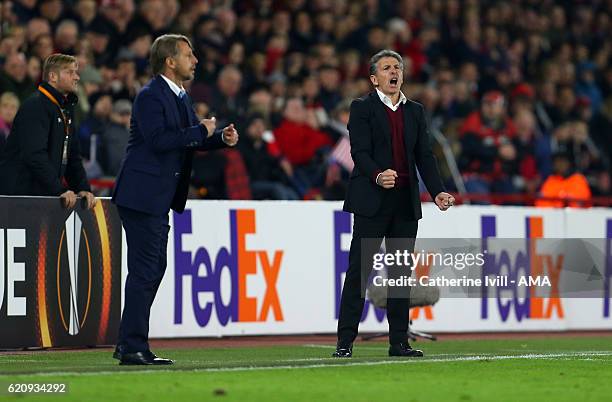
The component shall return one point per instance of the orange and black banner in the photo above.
(60, 273)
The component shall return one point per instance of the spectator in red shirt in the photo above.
(296, 137)
(303, 145)
(487, 149)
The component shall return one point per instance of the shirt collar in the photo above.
(387, 101)
(173, 87)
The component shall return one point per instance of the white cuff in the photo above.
(377, 176)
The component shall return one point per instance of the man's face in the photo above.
(15, 67)
(561, 165)
(330, 79)
(230, 82)
(261, 99)
(295, 111)
(98, 41)
(122, 118)
(184, 62)
(8, 110)
(37, 27)
(67, 37)
(256, 129)
(388, 78)
(68, 78)
(103, 107)
(492, 110)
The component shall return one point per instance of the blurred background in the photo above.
(518, 93)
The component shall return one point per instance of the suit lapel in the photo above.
(171, 99)
(381, 116)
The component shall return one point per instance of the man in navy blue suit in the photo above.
(154, 178)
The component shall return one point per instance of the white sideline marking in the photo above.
(384, 348)
(543, 356)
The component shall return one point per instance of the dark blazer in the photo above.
(31, 161)
(156, 170)
(370, 136)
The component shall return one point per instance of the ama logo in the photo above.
(342, 236)
(517, 264)
(206, 268)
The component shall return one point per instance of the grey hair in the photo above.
(382, 54)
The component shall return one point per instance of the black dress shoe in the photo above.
(137, 359)
(117, 353)
(343, 351)
(404, 350)
(159, 360)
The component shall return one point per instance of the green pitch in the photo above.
(553, 369)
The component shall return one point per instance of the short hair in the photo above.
(56, 62)
(382, 54)
(67, 24)
(165, 46)
(229, 68)
(9, 97)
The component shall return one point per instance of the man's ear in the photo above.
(170, 62)
(374, 80)
(53, 76)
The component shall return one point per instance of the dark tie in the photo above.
(185, 104)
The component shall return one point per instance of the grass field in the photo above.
(546, 369)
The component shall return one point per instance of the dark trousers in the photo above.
(147, 240)
(395, 222)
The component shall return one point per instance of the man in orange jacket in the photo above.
(564, 184)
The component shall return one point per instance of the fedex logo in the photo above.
(342, 235)
(205, 270)
(517, 265)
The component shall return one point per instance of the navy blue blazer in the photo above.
(156, 170)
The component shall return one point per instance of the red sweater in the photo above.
(299, 142)
(398, 147)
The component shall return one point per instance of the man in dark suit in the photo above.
(41, 156)
(389, 139)
(154, 177)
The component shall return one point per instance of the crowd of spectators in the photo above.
(512, 85)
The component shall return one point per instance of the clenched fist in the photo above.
(387, 178)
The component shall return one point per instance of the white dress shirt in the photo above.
(387, 101)
(173, 87)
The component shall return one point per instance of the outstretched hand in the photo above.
(230, 135)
